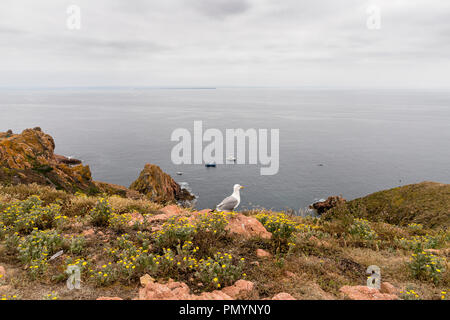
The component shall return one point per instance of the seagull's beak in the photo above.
(242, 187)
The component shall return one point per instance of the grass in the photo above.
(426, 203)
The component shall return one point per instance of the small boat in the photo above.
(179, 173)
(210, 165)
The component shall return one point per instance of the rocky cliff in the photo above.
(29, 157)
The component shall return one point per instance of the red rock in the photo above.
(366, 293)
(136, 217)
(388, 288)
(283, 296)
(168, 212)
(260, 253)
(169, 291)
(215, 295)
(89, 232)
(180, 291)
(109, 298)
(240, 287)
(172, 210)
(247, 227)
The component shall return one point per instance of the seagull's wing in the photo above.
(228, 204)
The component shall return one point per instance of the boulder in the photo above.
(169, 291)
(167, 213)
(324, 206)
(248, 227)
(241, 287)
(388, 288)
(283, 296)
(89, 233)
(365, 293)
(159, 187)
(145, 279)
(260, 253)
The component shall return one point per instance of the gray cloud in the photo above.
(221, 8)
(225, 42)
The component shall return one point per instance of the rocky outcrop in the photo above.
(331, 202)
(29, 157)
(66, 160)
(366, 293)
(159, 187)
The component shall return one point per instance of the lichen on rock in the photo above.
(29, 157)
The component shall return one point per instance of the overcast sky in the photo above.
(225, 43)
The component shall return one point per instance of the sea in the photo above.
(349, 142)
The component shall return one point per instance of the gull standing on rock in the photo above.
(232, 202)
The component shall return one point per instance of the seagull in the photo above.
(232, 202)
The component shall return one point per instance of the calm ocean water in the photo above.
(366, 140)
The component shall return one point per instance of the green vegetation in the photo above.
(115, 241)
(426, 203)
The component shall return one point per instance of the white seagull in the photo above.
(232, 202)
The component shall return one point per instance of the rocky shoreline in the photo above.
(29, 157)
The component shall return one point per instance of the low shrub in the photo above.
(174, 232)
(426, 266)
(219, 270)
(26, 215)
(119, 222)
(101, 214)
(77, 245)
(361, 229)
